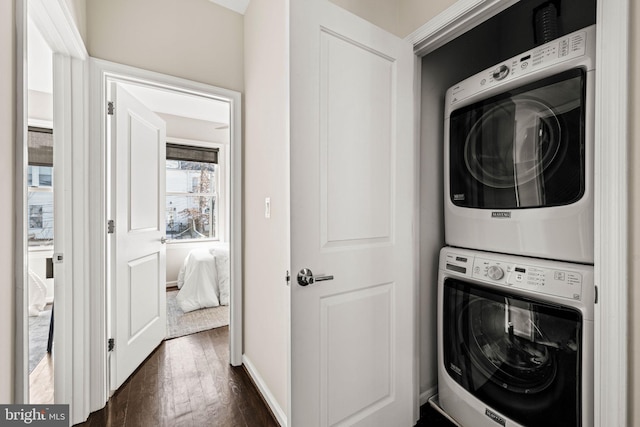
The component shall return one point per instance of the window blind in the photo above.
(192, 154)
(40, 146)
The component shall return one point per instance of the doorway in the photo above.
(199, 119)
(40, 217)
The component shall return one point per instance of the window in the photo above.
(192, 192)
(40, 182)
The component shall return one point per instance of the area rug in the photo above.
(180, 323)
(38, 336)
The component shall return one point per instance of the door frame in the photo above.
(101, 73)
(55, 21)
(611, 243)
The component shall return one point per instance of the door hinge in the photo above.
(111, 344)
(110, 108)
(288, 278)
(111, 226)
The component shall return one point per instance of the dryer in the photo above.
(519, 146)
(515, 340)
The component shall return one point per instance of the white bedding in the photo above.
(203, 279)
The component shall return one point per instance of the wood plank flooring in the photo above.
(187, 381)
(41, 382)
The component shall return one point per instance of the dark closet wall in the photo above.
(505, 35)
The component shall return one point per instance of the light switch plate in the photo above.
(267, 207)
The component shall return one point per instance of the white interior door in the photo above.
(138, 249)
(353, 353)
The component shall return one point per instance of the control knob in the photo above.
(501, 72)
(494, 272)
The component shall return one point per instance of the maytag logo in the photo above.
(455, 369)
(501, 214)
(495, 417)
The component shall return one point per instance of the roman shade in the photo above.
(192, 154)
(40, 146)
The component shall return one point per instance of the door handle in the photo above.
(163, 240)
(305, 277)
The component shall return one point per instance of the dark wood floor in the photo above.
(187, 381)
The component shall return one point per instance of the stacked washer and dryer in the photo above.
(515, 288)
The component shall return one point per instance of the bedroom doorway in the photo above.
(199, 216)
(40, 217)
(197, 200)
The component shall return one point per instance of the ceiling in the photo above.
(40, 59)
(239, 6)
(179, 104)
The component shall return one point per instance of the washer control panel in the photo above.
(565, 48)
(547, 279)
(562, 283)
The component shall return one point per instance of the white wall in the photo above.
(40, 77)
(400, 17)
(194, 39)
(7, 182)
(266, 166)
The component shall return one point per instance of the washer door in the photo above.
(520, 357)
(523, 148)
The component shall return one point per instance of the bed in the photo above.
(203, 279)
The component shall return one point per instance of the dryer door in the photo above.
(523, 148)
(518, 356)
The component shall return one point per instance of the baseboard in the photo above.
(426, 395)
(173, 283)
(268, 397)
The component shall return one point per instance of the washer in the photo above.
(515, 340)
(519, 145)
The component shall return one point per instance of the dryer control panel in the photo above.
(539, 276)
(563, 49)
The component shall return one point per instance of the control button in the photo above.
(501, 72)
(494, 272)
(483, 82)
(524, 65)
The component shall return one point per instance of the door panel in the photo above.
(138, 255)
(352, 212)
(368, 359)
(357, 173)
(144, 187)
(143, 287)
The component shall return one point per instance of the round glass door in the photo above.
(522, 148)
(513, 143)
(502, 346)
(518, 356)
